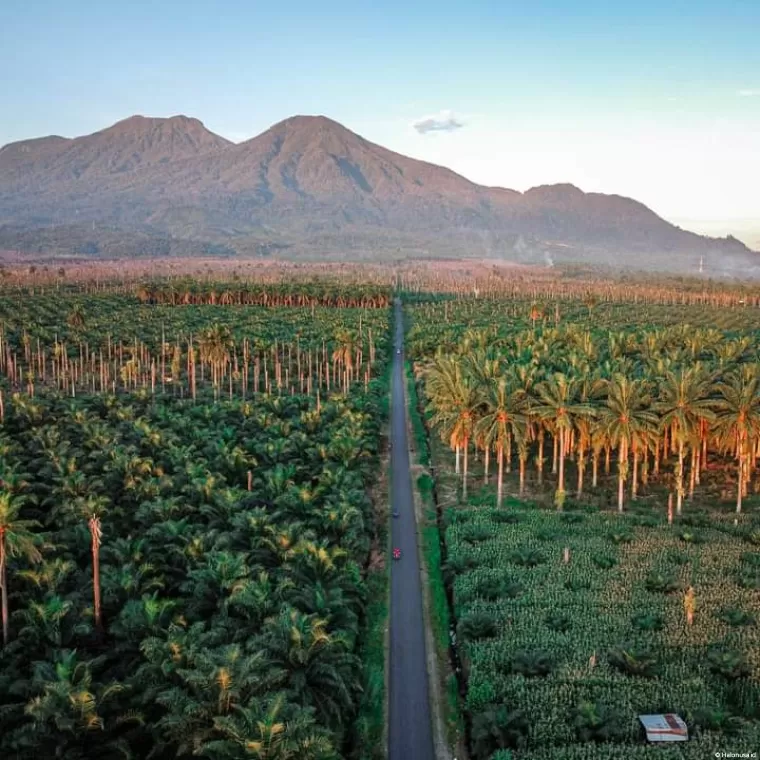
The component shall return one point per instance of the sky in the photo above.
(658, 100)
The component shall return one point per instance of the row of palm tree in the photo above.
(179, 365)
(520, 395)
(295, 294)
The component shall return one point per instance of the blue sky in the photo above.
(656, 100)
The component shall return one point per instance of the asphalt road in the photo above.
(410, 735)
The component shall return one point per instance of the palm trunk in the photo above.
(622, 466)
(692, 471)
(561, 460)
(95, 534)
(500, 478)
(485, 465)
(679, 479)
(581, 468)
(540, 463)
(464, 474)
(740, 483)
(555, 447)
(635, 484)
(3, 588)
(523, 460)
(594, 469)
(456, 468)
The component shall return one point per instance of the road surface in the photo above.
(410, 735)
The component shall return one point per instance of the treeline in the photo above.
(271, 295)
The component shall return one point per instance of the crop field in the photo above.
(594, 464)
(185, 525)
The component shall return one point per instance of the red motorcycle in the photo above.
(397, 554)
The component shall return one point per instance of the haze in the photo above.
(659, 105)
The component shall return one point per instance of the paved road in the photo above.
(410, 735)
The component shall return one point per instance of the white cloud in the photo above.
(748, 93)
(444, 121)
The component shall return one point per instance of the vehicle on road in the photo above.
(397, 554)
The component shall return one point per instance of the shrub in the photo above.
(595, 722)
(648, 621)
(531, 664)
(727, 662)
(477, 625)
(526, 557)
(691, 537)
(498, 728)
(718, 719)
(735, 616)
(547, 534)
(604, 561)
(556, 621)
(661, 582)
(677, 557)
(633, 661)
(474, 533)
(571, 518)
(504, 516)
(577, 584)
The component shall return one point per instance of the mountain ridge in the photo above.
(305, 181)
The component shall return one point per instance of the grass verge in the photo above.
(440, 618)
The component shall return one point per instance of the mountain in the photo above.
(308, 186)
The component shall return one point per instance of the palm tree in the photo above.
(738, 421)
(16, 539)
(215, 344)
(454, 399)
(93, 508)
(314, 664)
(504, 420)
(271, 730)
(557, 405)
(683, 406)
(626, 421)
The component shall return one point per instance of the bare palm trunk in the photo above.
(456, 468)
(679, 479)
(561, 460)
(635, 484)
(739, 485)
(500, 478)
(523, 460)
(692, 471)
(581, 468)
(95, 533)
(555, 447)
(594, 469)
(3, 588)
(540, 463)
(464, 474)
(622, 467)
(485, 465)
